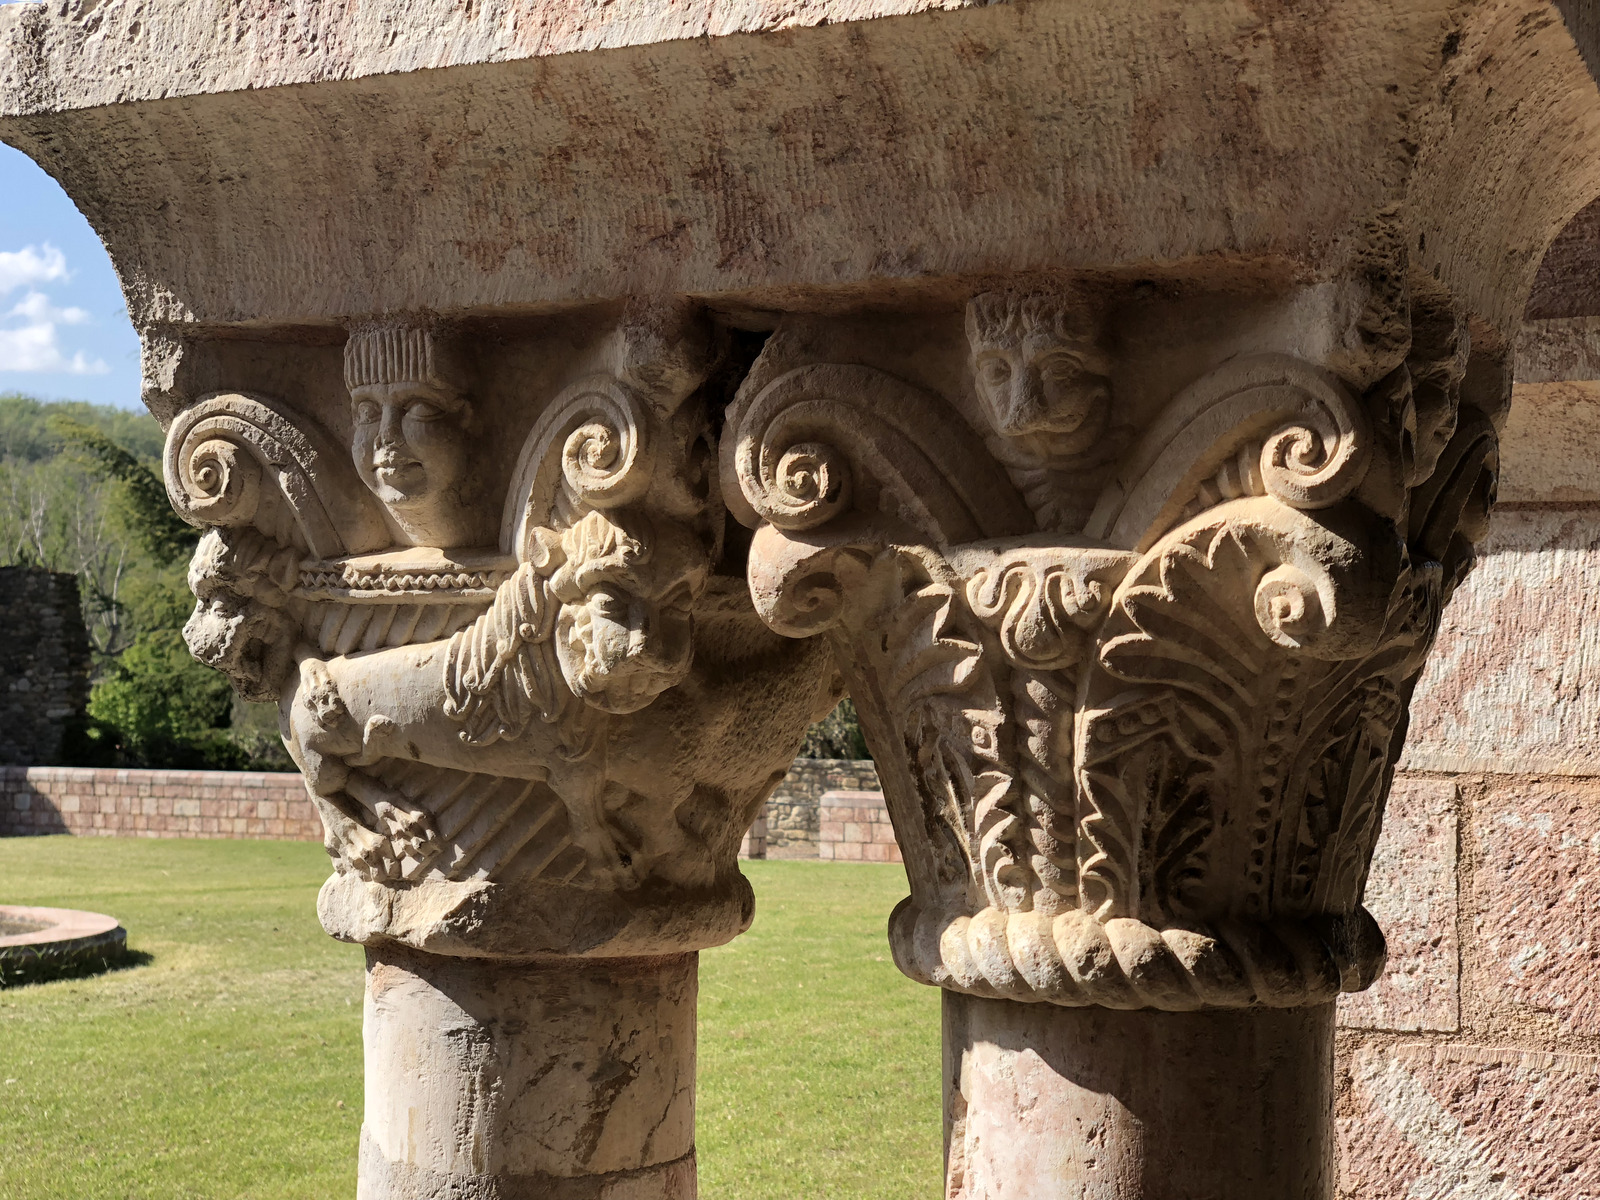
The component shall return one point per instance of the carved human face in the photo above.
(1037, 386)
(411, 448)
(1037, 379)
(625, 632)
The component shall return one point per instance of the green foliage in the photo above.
(254, 730)
(837, 735)
(159, 708)
(26, 436)
(81, 491)
(61, 509)
(147, 511)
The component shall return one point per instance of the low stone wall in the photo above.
(177, 804)
(854, 827)
(793, 811)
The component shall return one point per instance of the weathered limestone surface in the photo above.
(1511, 687)
(1046, 1097)
(569, 153)
(1412, 891)
(1470, 1121)
(1108, 395)
(543, 1068)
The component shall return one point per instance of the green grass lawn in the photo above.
(229, 1064)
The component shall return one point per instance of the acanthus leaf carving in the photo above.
(1153, 768)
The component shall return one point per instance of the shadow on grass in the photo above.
(25, 974)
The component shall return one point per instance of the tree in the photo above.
(837, 735)
(148, 511)
(156, 706)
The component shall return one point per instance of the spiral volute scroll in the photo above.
(219, 482)
(826, 439)
(234, 460)
(591, 446)
(1074, 960)
(1261, 425)
(1320, 457)
(1290, 609)
(809, 486)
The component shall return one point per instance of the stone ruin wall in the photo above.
(793, 812)
(44, 663)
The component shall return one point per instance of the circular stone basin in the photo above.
(55, 938)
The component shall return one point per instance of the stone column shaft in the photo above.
(1043, 1103)
(556, 1080)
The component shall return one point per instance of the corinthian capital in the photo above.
(1137, 676)
(486, 589)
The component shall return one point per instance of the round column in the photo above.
(1049, 1103)
(551, 1080)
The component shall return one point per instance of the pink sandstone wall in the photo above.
(854, 826)
(1472, 1069)
(130, 803)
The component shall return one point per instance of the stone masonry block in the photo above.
(1469, 1123)
(1536, 903)
(1412, 892)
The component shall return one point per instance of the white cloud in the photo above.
(36, 307)
(31, 264)
(28, 339)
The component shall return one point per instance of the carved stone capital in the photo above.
(1132, 634)
(488, 592)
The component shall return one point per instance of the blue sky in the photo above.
(64, 331)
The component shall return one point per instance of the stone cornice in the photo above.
(868, 161)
